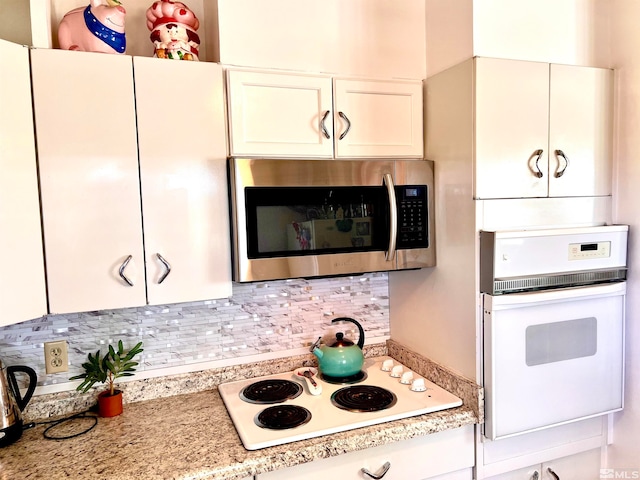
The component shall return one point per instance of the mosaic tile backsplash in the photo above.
(259, 318)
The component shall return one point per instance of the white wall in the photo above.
(625, 42)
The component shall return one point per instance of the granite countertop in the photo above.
(191, 436)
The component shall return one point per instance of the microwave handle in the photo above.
(393, 218)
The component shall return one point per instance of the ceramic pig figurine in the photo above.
(98, 27)
(173, 30)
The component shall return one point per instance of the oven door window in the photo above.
(286, 221)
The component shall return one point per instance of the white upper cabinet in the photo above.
(282, 115)
(119, 163)
(291, 115)
(542, 130)
(532, 129)
(377, 118)
(22, 281)
(88, 160)
(183, 153)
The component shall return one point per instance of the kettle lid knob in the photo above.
(341, 341)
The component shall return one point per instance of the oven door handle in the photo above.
(393, 217)
(383, 471)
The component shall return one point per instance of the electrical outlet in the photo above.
(56, 358)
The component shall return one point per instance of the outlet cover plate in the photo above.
(56, 357)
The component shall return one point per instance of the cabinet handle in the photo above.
(167, 268)
(383, 471)
(560, 153)
(553, 474)
(121, 270)
(325, 132)
(535, 475)
(393, 217)
(538, 154)
(344, 117)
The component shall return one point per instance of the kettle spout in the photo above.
(315, 350)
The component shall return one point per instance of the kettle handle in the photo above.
(360, 329)
(13, 384)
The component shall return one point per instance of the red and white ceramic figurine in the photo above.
(173, 30)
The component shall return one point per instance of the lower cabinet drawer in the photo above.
(439, 454)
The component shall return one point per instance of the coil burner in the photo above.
(270, 391)
(283, 417)
(363, 398)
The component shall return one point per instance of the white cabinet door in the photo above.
(580, 466)
(182, 146)
(22, 286)
(280, 115)
(511, 125)
(377, 118)
(449, 453)
(580, 127)
(542, 130)
(88, 160)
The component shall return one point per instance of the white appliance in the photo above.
(554, 310)
(413, 395)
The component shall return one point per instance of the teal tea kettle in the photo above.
(12, 403)
(342, 358)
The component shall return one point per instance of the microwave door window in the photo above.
(286, 221)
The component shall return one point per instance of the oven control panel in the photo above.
(585, 251)
(412, 216)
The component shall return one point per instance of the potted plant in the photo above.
(114, 364)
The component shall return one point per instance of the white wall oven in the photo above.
(553, 326)
(307, 218)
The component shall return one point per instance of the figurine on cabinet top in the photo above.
(173, 30)
(98, 27)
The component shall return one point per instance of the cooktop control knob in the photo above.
(418, 385)
(386, 365)
(396, 371)
(407, 378)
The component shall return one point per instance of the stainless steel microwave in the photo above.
(308, 218)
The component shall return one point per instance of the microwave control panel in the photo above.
(412, 216)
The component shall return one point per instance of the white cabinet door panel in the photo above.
(182, 148)
(581, 120)
(279, 115)
(22, 286)
(88, 160)
(511, 124)
(446, 453)
(377, 118)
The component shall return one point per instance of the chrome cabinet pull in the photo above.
(121, 270)
(393, 217)
(167, 268)
(344, 117)
(553, 474)
(538, 154)
(325, 132)
(383, 471)
(560, 153)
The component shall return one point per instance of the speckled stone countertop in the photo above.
(190, 435)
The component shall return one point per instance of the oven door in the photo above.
(552, 357)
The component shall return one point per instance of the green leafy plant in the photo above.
(106, 369)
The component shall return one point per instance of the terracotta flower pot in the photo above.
(110, 405)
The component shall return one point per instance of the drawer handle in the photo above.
(560, 153)
(553, 474)
(121, 270)
(535, 475)
(383, 471)
(538, 154)
(344, 117)
(325, 132)
(167, 268)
